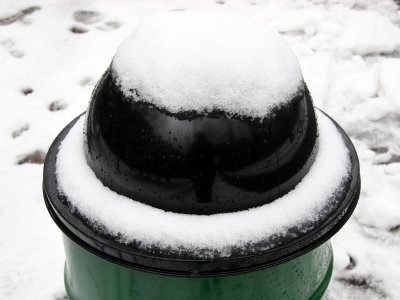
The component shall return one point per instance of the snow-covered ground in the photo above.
(52, 53)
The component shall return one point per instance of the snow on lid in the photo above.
(131, 220)
(207, 60)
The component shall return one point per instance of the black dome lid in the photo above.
(197, 163)
(251, 257)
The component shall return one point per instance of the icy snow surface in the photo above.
(52, 53)
(203, 60)
(131, 220)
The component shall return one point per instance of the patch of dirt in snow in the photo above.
(53, 53)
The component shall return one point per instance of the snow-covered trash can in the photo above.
(201, 170)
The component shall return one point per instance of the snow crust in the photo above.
(203, 60)
(389, 76)
(131, 220)
(370, 33)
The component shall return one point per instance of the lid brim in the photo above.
(160, 261)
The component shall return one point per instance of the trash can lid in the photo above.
(200, 153)
(207, 118)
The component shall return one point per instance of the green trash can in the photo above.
(185, 171)
(90, 277)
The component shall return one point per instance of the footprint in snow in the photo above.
(18, 16)
(10, 44)
(19, 131)
(394, 158)
(365, 284)
(17, 53)
(87, 17)
(7, 43)
(380, 149)
(395, 229)
(35, 157)
(77, 29)
(57, 105)
(109, 25)
(27, 91)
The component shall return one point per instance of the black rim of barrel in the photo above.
(108, 248)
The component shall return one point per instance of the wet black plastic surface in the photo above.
(197, 163)
(165, 261)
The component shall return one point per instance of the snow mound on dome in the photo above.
(207, 60)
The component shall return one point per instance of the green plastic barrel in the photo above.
(89, 277)
(189, 163)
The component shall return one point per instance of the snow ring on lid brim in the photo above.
(130, 221)
(202, 60)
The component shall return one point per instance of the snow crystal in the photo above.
(203, 61)
(133, 220)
